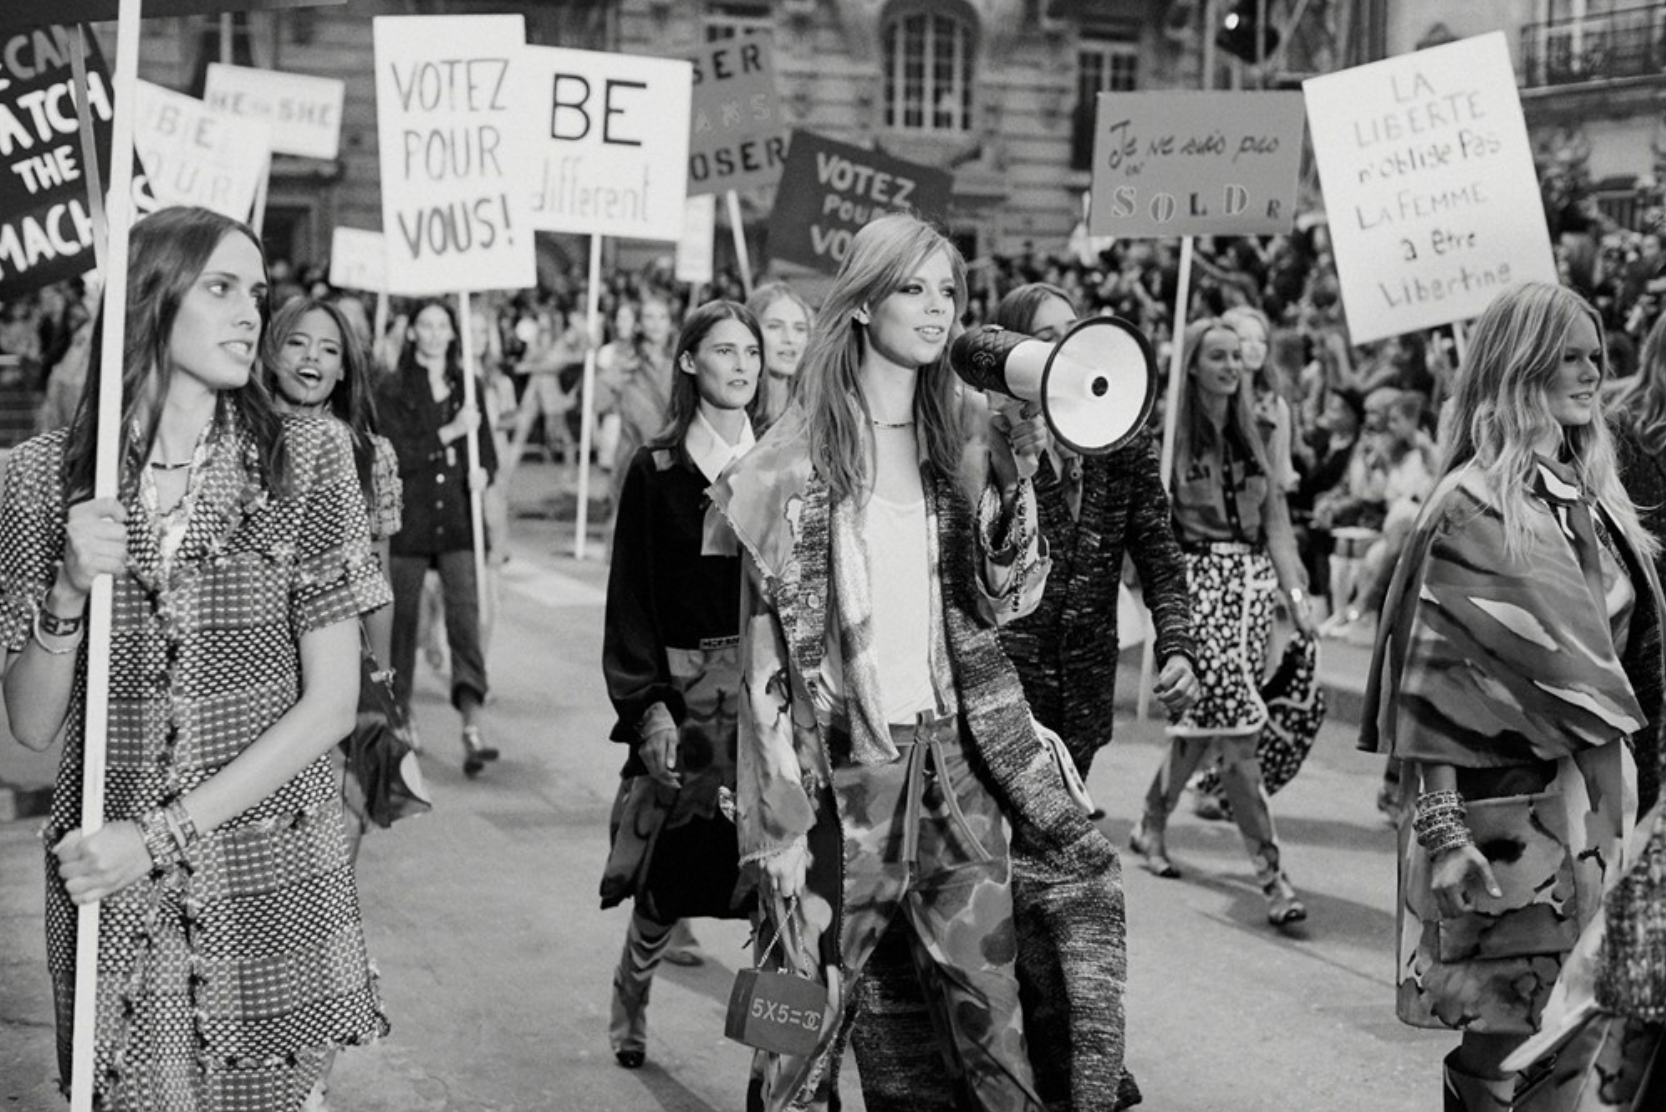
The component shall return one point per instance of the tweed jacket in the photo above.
(1066, 650)
(1066, 881)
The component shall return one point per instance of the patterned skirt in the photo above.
(1232, 590)
(1553, 851)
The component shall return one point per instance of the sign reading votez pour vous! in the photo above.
(1429, 185)
(18, 14)
(737, 137)
(193, 155)
(46, 234)
(1195, 163)
(453, 138)
(612, 146)
(829, 190)
(303, 112)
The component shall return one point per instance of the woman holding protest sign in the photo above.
(785, 319)
(241, 562)
(422, 413)
(671, 656)
(884, 740)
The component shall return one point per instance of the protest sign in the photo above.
(18, 14)
(1195, 163)
(46, 232)
(358, 260)
(1429, 185)
(193, 155)
(612, 147)
(695, 247)
(737, 138)
(453, 137)
(303, 112)
(829, 190)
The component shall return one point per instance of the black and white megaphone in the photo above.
(1096, 386)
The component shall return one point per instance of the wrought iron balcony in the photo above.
(1602, 47)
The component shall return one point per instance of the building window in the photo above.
(1107, 61)
(928, 73)
(731, 19)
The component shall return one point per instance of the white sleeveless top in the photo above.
(899, 586)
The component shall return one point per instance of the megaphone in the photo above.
(1096, 386)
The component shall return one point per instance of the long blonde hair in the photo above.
(1500, 413)
(1192, 428)
(883, 256)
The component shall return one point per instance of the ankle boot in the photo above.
(475, 753)
(1283, 905)
(1146, 839)
(1467, 1093)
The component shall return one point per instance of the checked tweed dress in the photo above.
(221, 984)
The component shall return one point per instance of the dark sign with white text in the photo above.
(737, 139)
(19, 14)
(829, 190)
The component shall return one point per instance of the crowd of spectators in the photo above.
(1361, 421)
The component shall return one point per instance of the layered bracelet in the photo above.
(49, 627)
(1440, 824)
(169, 833)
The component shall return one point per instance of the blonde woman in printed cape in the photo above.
(240, 556)
(885, 748)
(1518, 672)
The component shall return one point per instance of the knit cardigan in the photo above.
(1067, 892)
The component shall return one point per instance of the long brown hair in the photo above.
(685, 388)
(167, 253)
(882, 257)
(353, 401)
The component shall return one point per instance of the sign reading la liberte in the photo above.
(455, 211)
(1195, 163)
(1429, 184)
(611, 149)
(46, 233)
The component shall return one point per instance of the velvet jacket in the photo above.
(1066, 650)
(1066, 880)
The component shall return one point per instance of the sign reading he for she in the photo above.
(46, 234)
(453, 137)
(1429, 184)
(303, 112)
(358, 260)
(19, 14)
(612, 143)
(1195, 163)
(193, 155)
(738, 140)
(829, 190)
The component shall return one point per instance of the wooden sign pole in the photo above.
(477, 505)
(587, 410)
(742, 258)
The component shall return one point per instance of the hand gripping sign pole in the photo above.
(587, 411)
(119, 212)
(1171, 421)
(477, 513)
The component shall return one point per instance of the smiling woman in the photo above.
(241, 561)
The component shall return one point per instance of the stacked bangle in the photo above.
(164, 850)
(184, 831)
(1440, 824)
(58, 636)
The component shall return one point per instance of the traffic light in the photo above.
(1238, 31)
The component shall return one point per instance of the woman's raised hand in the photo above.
(95, 543)
(1020, 434)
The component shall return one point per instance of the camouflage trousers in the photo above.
(923, 839)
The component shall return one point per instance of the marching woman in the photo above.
(1517, 670)
(671, 655)
(785, 319)
(421, 410)
(885, 746)
(1094, 510)
(1234, 527)
(241, 563)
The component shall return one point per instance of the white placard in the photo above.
(1429, 185)
(303, 112)
(193, 155)
(453, 144)
(612, 149)
(358, 260)
(695, 247)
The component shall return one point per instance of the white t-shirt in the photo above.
(899, 586)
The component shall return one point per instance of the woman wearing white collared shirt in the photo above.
(671, 656)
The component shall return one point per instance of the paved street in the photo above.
(495, 960)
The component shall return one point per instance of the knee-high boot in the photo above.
(645, 943)
(1467, 1093)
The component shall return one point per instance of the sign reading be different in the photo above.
(452, 137)
(1195, 163)
(1429, 184)
(612, 146)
